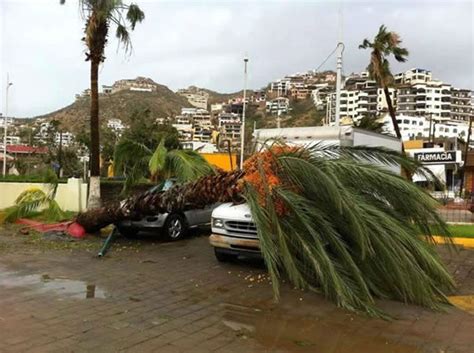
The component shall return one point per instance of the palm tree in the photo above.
(385, 44)
(329, 219)
(100, 15)
(136, 161)
(371, 124)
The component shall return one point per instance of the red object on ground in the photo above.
(74, 229)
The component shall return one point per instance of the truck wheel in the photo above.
(175, 227)
(222, 256)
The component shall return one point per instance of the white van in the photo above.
(233, 232)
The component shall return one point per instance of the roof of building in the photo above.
(26, 149)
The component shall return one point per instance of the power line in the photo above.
(325, 60)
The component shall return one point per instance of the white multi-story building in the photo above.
(280, 105)
(368, 100)
(230, 128)
(281, 87)
(425, 99)
(194, 124)
(195, 96)
(12, 140)
(217, 107)
(228, 118)
(416, 127)
(461, 104)
(63, 138)
(140, 84)
(413, 76)
(185, 131)
(116, 125)
(421, 95)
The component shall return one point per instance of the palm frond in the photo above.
(186, 165)
(135, 15)
(350, 229)
(53, 212)
(158, 159)
(28, 203)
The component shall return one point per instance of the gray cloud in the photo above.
(185, 43)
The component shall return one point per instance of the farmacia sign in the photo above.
(445, 157)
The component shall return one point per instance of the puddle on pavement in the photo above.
(44, 284)
(285, 331)
(463, 302)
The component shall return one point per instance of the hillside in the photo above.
(303, 113)
(161, 103)
(216, 97)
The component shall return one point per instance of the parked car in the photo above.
(173, 225)
(233, 232)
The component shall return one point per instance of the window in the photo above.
(406, 121)
(420, 123)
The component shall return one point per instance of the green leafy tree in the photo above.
(385, 44)
(370, 123)
(100, 15)
(143, 128)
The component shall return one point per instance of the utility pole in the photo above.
(60, 154)
(466, 150)
(242, 128)
(340, 50)
(5, 128)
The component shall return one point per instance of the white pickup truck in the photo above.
(233, 232)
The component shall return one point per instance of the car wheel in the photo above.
(128, 232)
(175, 227)
(222, 256)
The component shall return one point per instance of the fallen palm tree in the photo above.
(329, 218)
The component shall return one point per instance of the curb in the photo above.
(465, 242)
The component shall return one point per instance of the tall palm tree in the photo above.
(100, 15)
(136, 161)
(329, 218)
(385, 44)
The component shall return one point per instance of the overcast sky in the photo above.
(202, 43)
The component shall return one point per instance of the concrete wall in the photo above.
(71, 196)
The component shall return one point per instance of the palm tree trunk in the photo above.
(94, 183)
(220, 187)
(391, 111)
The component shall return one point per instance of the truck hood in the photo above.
(234, 212)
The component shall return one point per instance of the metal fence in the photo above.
(455, 209)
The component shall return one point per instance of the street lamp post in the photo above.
(5, 127)
(242, 129)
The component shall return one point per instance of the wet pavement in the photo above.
(175, 297)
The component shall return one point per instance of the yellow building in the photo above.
(221, 160)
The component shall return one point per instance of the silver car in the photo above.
(173, 225)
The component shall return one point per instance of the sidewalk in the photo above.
(175, 297)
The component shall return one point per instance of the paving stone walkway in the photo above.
(175, 297)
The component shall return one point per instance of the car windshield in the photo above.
(163, 186)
